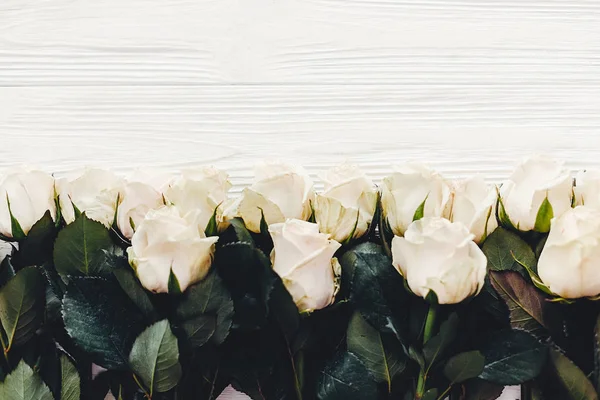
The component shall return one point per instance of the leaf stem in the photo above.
(427, 333)
(146, 394)
(444, 393)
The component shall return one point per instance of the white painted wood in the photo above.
(466, 85)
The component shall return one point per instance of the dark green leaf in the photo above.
(544, 216)
(7, 270)
(78, 249)
(132, 287)
(382, 361)
(24, 384)
(70, 382)
(206, 310)
(154, 358)
(346, 378)
(478, 389)
(240, 232)
(22, 306)
(503, 248)
(503, 217)
(36, 248)
(376, 287)
(572, 378)
(512, 357)
(527, 305)
(101, 319)
(464, 366)
(416, 356)
(431, 394)
(440, 342)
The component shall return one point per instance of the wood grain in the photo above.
(469, 86)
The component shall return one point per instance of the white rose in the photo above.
(474, 204)
(303, 258)
(536, 179)
(94, 192)
(29, 194)
(439, 255)
(203, 189)
(137, 198)
(280, 190)
(167, 240)
(404, 191)
(345, 209)
(568, 264)
(587, 188)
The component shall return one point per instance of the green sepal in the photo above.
(544, 216)
(212, 228)
(173, 285)
(17, 231)
(503, 217)
(420, 211)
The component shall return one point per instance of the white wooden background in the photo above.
(466, 85)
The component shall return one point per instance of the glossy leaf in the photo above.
(512, 357)
(346, 378)
(101, 319)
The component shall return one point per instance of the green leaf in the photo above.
(101, 319)
(503, 248)
(78, 249)
(376, 287)
(22, 306)
(572, 378)
(206, 311)
(440, 342)
(420, 211)
(543, 217)
(155, 358)
(24, 384)
(512, 357)
(376, 354)
(464, 366)
(346, 378)
(135, 291)
(527, 306)
(173, 285)
(70, 382)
